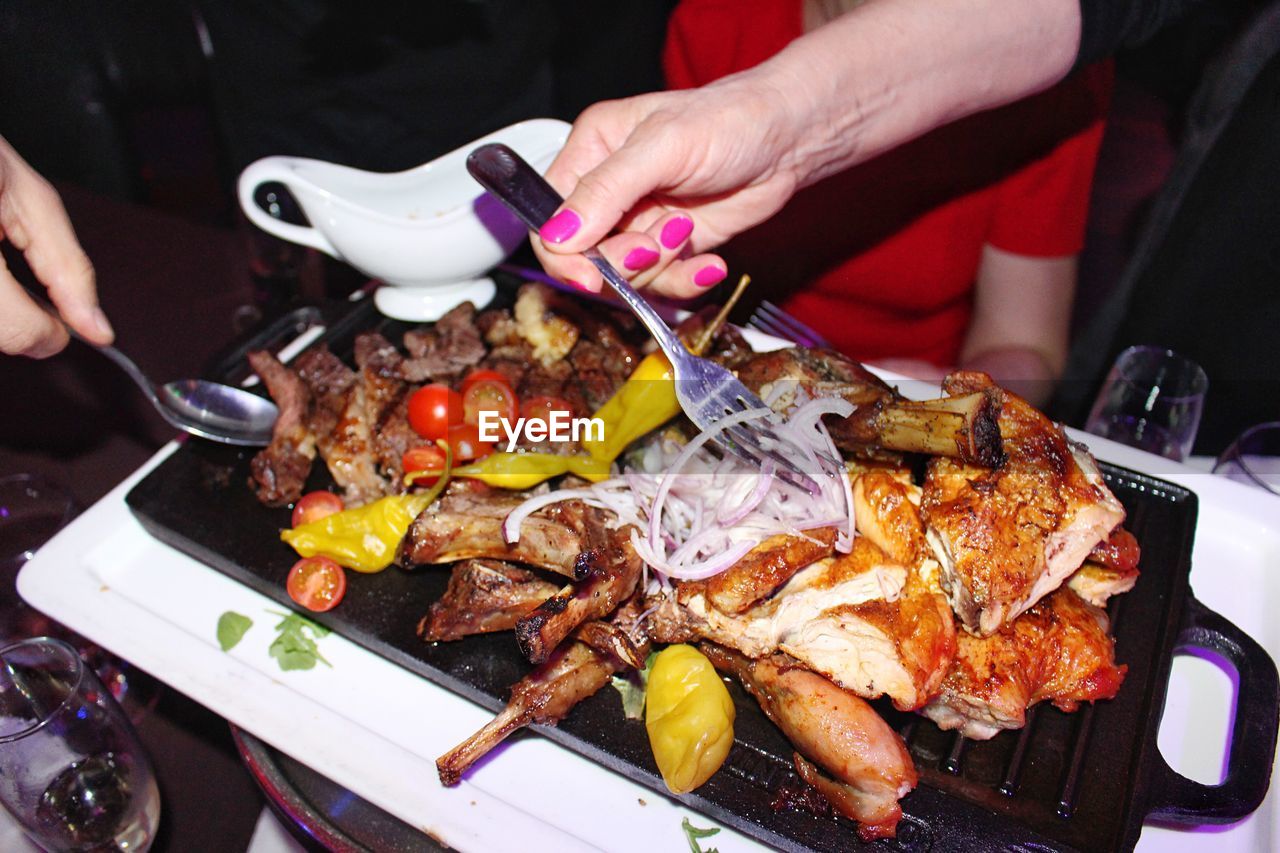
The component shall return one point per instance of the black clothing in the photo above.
(1108, 25)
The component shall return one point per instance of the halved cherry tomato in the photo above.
(488, 395)
(314, 506)
(433, 408)
(425, 458)
(482, 375)
(316, 583)
(465, 443)
(540, 408)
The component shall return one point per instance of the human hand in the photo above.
(675, 173)
(33, 219)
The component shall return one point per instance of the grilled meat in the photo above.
(612, 569)
(446, 350)
(1007, 537)
(871, 625)
(574, 672)
(883, 424)
(1118, 551)
(766, 567)
(279, 471)
(386, 406)
(467, 522)
(483, 596)
(339, 419)
(1095, 582)
(1058, 651)
(835, 730)
(546, 329)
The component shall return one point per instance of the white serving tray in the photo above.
(377, 728)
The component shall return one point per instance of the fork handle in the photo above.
(518, 185)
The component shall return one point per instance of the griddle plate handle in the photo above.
(1178, 799)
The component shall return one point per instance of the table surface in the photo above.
(172, 290)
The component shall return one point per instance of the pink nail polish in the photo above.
(676, 231)
(708, 276)
(560, 227)
(639, 258)
(576, 285)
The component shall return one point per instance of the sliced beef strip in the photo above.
(446, 350)
(279, 471)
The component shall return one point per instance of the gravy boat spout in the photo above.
(429, 232)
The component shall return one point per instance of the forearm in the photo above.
(857, 96)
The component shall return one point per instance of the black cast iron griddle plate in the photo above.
(1089, 764)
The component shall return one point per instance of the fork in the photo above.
(772, 320)
(707, 391)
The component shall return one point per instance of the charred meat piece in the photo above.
(1057, 651)
(386, 405)
(467, 522)
(835, 730)
(1007, 537)
(883, 423)
(574, 672)
(340, 422)
(766, 567)
(1119, 551)
(446, 350)
(483, 596)
(612, 568)
(280, 470)
(869, 624)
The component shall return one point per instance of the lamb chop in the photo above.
(1059, 651)
(574, 672)
(1007, 537)
(280, 470)
(883, 424)
(483, 596)
(835, 730)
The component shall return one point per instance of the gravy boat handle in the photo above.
(278, 170)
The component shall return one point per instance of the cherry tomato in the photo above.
(482, 375)
(465, 443)
(314, 506)
(540, 408)
(433, 408)
(425, 458)
(316, 583)
(488, 395)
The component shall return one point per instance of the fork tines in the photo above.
(772, 320)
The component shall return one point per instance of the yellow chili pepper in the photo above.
(365, 538)
(646, 401)
(689, 716)
(525, 470)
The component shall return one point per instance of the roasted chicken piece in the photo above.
(467, 522)
(551, 334)
(1095, 582)
(835, 730)
(871, 625)
(766, 567)
(1058, 651)
(483, 596)
(279, 471)
(574, 672)
(883, 424)
(1008, 536)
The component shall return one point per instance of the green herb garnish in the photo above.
(295, 647)
(632, 687)
(692, 833)
(231, 629)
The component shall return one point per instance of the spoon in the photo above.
(210, 410)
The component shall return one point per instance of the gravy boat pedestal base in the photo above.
(429, 303)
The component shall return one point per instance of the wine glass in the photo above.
(72, 771)
(1152, 400)
(1254, 457)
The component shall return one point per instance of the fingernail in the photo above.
(102, 324)
(639, 258)
(576, 285)
(676, 231)
(560, 227)
(708, 276)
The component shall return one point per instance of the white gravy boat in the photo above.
(430, 233)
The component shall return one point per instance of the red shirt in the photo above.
(882, 259)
